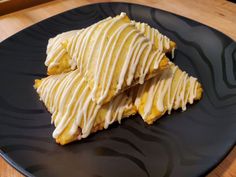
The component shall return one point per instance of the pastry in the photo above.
(173, 89)
(68, 98)
(58, 59)
(113, 55)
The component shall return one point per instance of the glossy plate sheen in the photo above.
(178, 145)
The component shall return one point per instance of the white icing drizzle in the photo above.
(172, 52)
(168, 91)
(160, 41)
(126, 62)
(138, 50)
(107, 85)
(146, 63)
(68, 97)
(102, 57)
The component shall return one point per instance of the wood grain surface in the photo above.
(218, 14)
(8, 6)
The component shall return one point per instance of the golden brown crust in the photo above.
(199, 92)
(63, 67)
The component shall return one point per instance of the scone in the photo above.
(112, 56)
(68, 97)
(173, 89)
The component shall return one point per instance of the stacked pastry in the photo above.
(109, 71)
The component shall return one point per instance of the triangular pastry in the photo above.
(173, 89)
(113, 55)
(68, 97)
(58, 59)
(57, 46)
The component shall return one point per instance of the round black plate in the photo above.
(179, 145)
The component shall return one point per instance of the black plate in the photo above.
(181, 144)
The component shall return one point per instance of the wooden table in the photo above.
(218, 14)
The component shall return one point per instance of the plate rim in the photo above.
(127, 3)
(15, 165)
